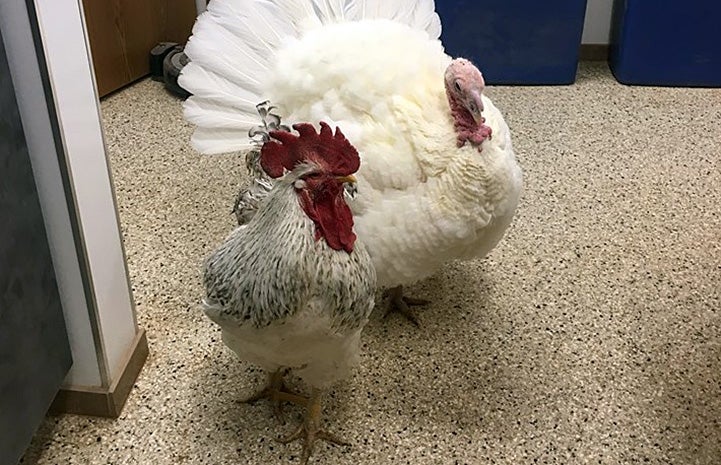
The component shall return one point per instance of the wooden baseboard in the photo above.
(105, 402)
(593, 52)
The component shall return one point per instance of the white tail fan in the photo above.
(235, 41)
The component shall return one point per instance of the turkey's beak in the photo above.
(345, 179)
(475, 106)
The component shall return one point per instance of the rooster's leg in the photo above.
(397, 302)
(277, 392)
(310, 431)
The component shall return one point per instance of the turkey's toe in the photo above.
(398, 303)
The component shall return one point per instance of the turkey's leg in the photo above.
(277, 392)
(310, 431)
(397, 302)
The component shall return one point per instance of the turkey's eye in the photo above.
(457, 86)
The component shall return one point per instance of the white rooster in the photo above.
(439, 180)
(293, 288)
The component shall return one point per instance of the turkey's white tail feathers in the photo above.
(418, 14)
(377, 9)
(216, 49)
(426, 18)
(262, 40)
(328, 10)
(233, 48)
(208, 114)
(216, 141)
(210, 86)
(262, 24)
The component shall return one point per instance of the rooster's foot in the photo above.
(309, 431)
(397, 302)
(277, 392)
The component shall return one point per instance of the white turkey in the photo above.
(439, 179)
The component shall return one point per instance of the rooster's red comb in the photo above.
(332, 152)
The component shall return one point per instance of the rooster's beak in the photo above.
(344, 179)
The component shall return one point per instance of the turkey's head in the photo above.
(319, 165)
(464, 89)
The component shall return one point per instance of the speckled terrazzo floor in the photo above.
(592, 334)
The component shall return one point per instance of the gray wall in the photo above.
(34, 349)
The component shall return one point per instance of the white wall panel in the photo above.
(70, 66)
(598, 22)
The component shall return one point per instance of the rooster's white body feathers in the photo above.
(285, 300)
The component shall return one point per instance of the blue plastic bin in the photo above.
(516, 41)
(666, 42)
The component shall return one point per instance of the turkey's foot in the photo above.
(399, 303)
(277, 392)
(309, 431)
